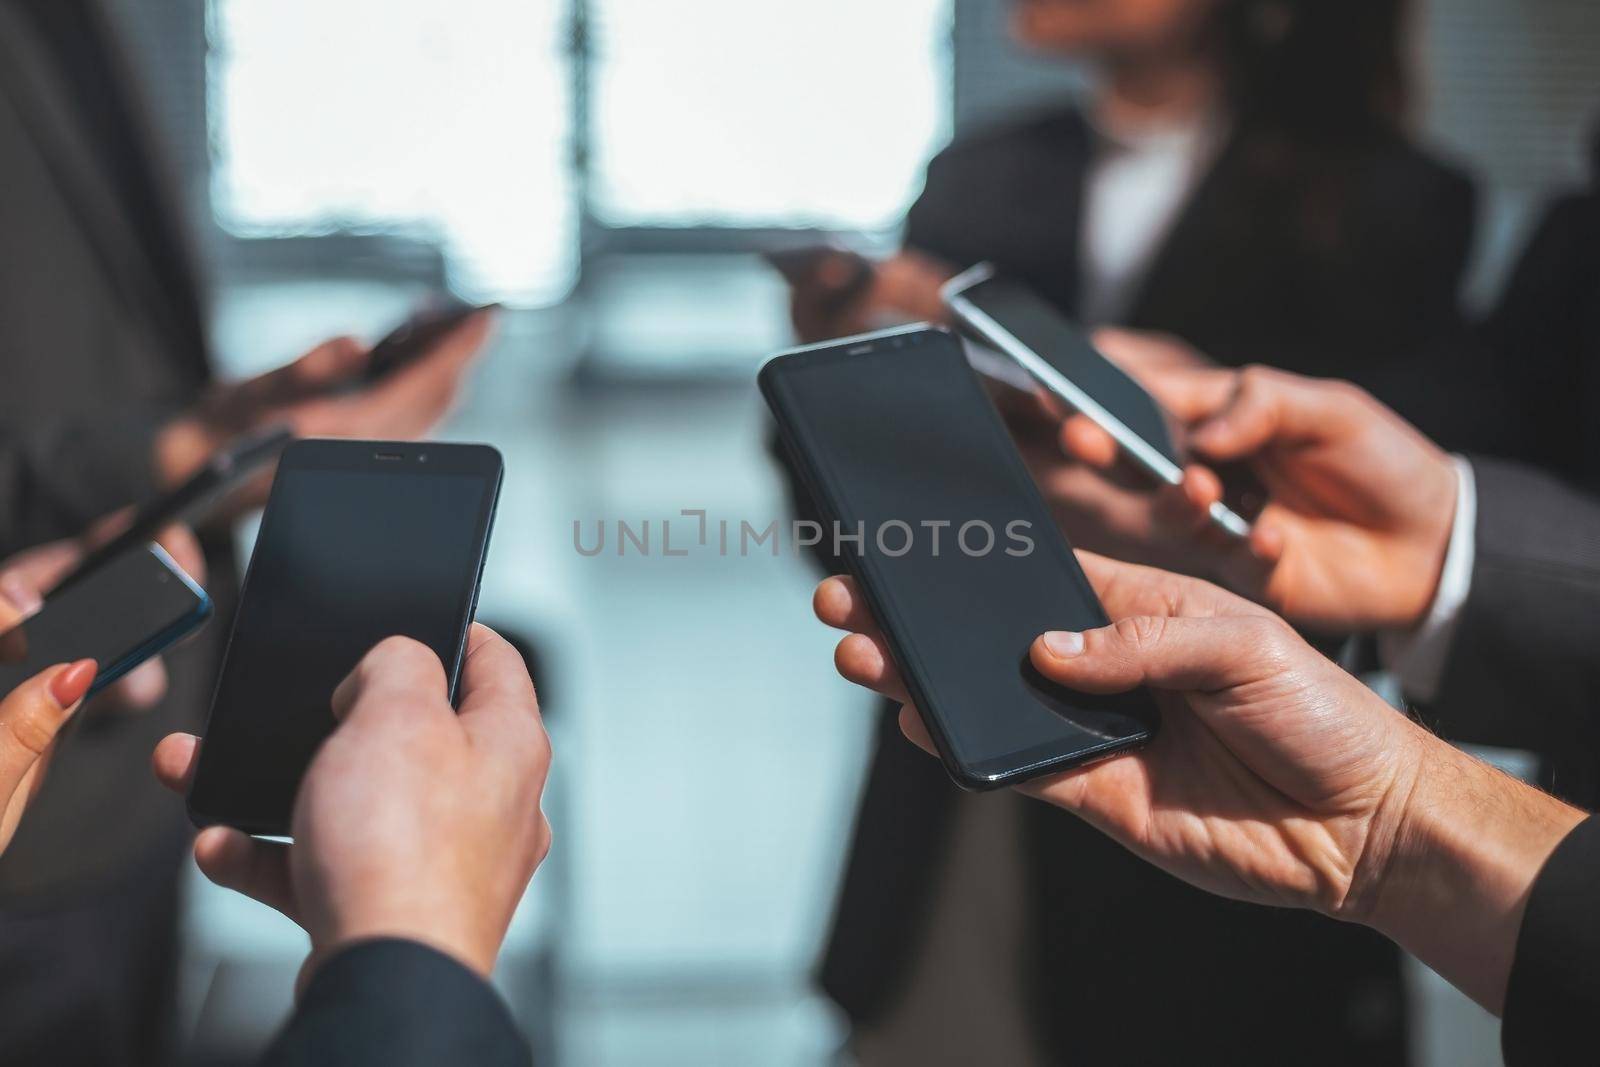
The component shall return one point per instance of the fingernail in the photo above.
(23, 596)
(1064, 644)
(70, 683)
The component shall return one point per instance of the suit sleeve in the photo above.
(58, 476)
(398, 1004)
(1553, 997)
(1523, 669)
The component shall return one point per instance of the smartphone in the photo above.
(133, 607)
(1059, 356)
(959, 558)
(360, 540)
(189, 502)
(417, 336)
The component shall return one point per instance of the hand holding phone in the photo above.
(418, 335)
(360, 541)
(953, 548)
(122, 614)
(1024, 329)
(191, 502)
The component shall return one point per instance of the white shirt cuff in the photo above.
(1417, 657)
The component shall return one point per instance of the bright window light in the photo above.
(765, 112)
(449, 121)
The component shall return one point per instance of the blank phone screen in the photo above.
(1052, 337)
(901, 439)
(344, 559)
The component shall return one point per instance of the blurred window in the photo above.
(458, 123)
(764, 113)
(451, 122)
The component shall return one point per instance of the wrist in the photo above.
(449, 927)
(1466, 848)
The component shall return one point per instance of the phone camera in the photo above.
(422, 457)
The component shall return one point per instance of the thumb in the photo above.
(32, 715)
(1156, 650)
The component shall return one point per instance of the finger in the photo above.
(19, 598)
(257, 869)
(1162, 651)
(916, 730)
(142, 688)
(866, 661)
(33, 714)
(174, 761)
(499, 707)
(1129, 589)
(839, 603)
(397, 675)
(1275, 407)
(1082, 440)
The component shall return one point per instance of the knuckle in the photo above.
(32, 728)
(1140, 632)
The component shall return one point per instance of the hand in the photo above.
(1359, 504)
(1099, 501)
(27, 575)
(413, 821)
(1276, 777)
(30, 718)
(904, 287)
(305, 394)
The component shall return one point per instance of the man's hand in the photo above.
(30, 718)
(1359, 504)
(1101, 501)
(1276, 777)
(308, 396)
(413, 821)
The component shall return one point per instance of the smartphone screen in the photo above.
(359, 541)
(959, 556)
(1021, 325)
(131, 608)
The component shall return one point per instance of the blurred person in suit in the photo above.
(1544, 334)
(416, 830)
(1242, 177)
(108, 398)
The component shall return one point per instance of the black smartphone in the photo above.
(360, 540)
(135, 606)
(189, 502)
(958, 557)
(417, 336)
(1060, 357)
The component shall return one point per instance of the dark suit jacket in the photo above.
(102, 341)
(1524, 666)
(1545, 337)
(1351, 270)
(1553, 997)
(395, 1003)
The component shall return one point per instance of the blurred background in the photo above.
(610, 170)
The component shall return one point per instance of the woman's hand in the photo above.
(31, 716)
(25, 576)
